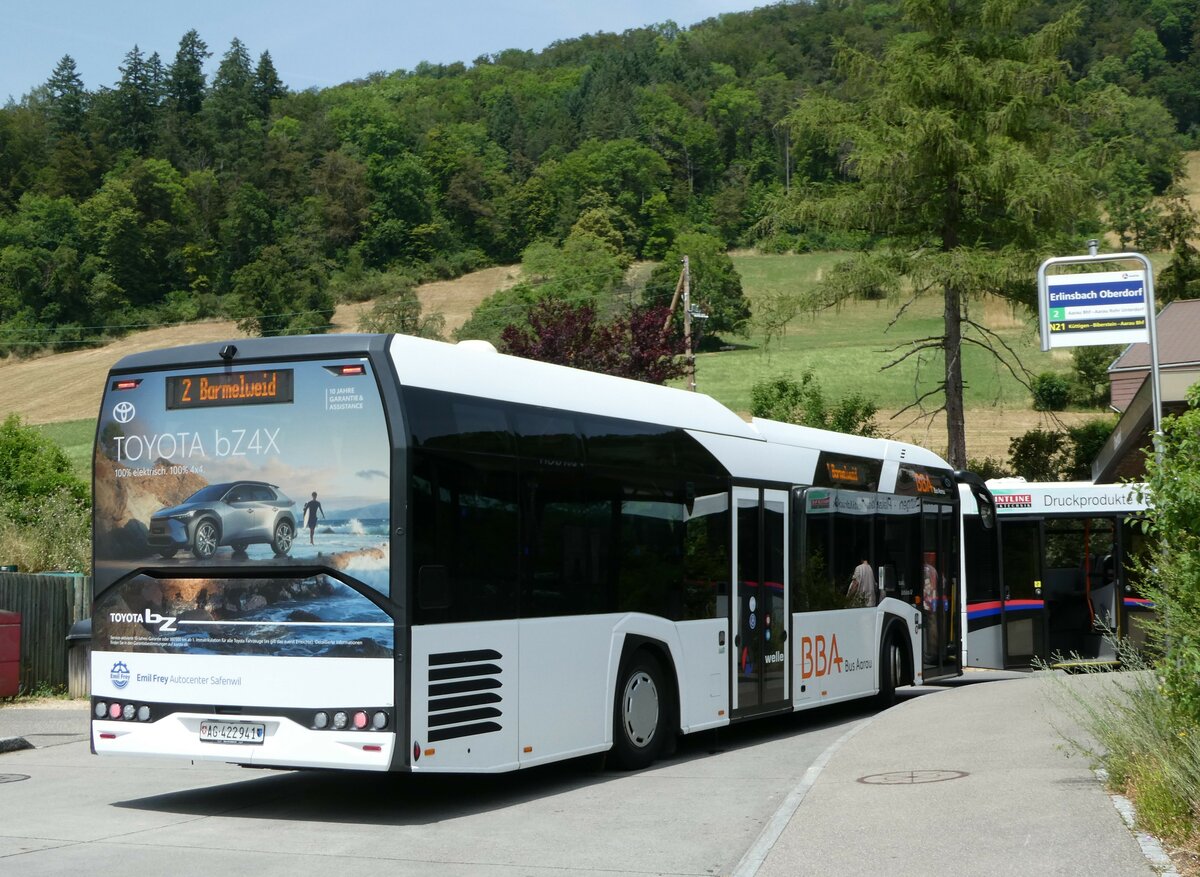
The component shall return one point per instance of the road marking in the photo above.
(762, 846)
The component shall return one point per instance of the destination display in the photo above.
(267, 387)
(840, 470)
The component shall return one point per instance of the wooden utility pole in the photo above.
(674, 301)
(689, 358)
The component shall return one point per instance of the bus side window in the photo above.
(464, 520)
(813, 589)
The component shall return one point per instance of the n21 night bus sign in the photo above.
(1107, 307)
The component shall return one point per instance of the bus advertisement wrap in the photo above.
(316, 617)
(293, 471)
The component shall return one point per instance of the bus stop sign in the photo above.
(1107, 307)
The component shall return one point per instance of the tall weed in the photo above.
(1150, 754)
(53, 533)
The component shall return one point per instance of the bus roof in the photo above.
(476, 369)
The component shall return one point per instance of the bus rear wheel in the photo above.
(891, 671)
(639, 713)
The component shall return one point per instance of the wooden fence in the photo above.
(49, 605)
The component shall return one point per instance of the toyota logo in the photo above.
(123, 412)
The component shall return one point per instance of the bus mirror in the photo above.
(689, 498)
(433, 587)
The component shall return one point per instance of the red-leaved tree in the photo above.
(631, 345)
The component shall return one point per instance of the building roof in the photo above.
(1178, 330)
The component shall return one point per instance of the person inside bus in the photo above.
(311, 508)
(930, 603)
(862, 590)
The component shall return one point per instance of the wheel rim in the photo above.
(639, 709)
(206, 540)
(283, 537)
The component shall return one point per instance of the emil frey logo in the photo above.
(119, 674)
(123, 412)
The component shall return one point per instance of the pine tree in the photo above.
(231, 108)
(267, 85)
(959, 153)
(137, 100)
(68, 100)
(184, 91)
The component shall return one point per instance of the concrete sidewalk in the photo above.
(49, 724)
(972, 780)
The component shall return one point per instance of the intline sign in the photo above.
(1108, 307)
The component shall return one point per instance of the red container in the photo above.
(10, 653)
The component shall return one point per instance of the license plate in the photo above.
(232, 732)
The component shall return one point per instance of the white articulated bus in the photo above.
(386, 553)
(1048, 574)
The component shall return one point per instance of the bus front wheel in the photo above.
(639, 713)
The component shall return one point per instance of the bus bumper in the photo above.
(286, 744)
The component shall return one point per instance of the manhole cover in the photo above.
(12, 777)
(912, 777)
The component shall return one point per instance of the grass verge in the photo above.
(1132, 733)
(75, 437)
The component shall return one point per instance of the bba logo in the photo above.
(819, 656)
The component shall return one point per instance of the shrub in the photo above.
(1037, 455)
(1059, 455)
(31, 467)
(803, 402)
(54, 532)
(1089, 385)
(988, 467)
(1051, 391)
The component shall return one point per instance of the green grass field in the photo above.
(75, 437)
(847, 347)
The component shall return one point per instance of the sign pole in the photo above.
(1151, 328)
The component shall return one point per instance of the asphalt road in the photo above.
(63, 810)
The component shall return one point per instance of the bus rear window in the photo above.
(262, 466)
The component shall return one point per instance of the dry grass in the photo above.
(456, 299)
(68, 386)
(989, 430)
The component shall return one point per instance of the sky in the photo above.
(313, 45)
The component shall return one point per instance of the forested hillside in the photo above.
(172, 195)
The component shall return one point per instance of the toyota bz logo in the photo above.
(119, 674)
(123, 412)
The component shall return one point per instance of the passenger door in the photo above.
(760, 663)
(939, 590)
(1024, 606)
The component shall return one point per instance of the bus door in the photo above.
(1136, 611)
(760, 604)
(1079, 587)
(939, 589)
(1024, 606)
